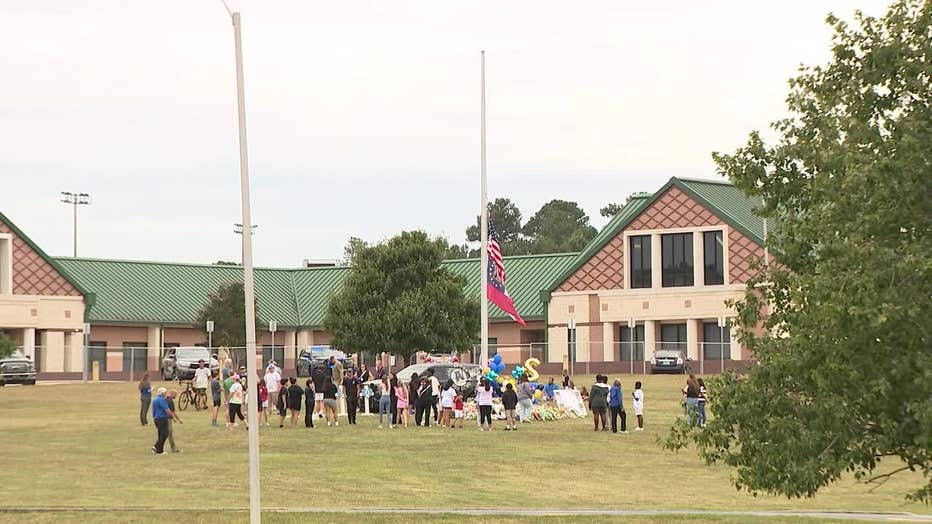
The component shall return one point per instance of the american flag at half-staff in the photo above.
(495, 279)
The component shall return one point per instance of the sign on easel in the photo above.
(570, 399)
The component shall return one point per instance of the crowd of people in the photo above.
(418, 402)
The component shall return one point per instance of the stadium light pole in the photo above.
(248, 284)
(75, 199)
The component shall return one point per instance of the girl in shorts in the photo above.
(458, 410)
(401, 393)
(447, 397)
(215, 397)
(263, 402)
(330, 403)
(282, 402)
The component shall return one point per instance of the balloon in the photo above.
(491, 375)
(485, 370)
(509, 380)
(517, 372)
(500, 380)
(497, 358)
(531, 366)
(499, 367)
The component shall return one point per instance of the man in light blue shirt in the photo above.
(550, 388)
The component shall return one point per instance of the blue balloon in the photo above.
(499, 367)
(497, 358)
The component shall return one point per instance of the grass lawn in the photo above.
(81, 445)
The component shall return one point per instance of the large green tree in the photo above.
(506, 217)
(226, 308)
(845, 375)
(399, 299)
(558, 227)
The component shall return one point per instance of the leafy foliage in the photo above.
(507, 218)
(227, 309)
(559, 227)
(841, 327)
(397, 298)
(611, 209)
(7, 346)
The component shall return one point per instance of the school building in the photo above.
(658, 276)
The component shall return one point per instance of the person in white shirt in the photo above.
(447, 396)
(237, 397)
(202, 380)
(484, 401)
(273, 379)
(434, 393)
(639, 405)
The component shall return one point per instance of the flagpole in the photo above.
(484, 228)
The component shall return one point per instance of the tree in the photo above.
(559, 227)
(7, 346)
(398, 298)
(353, 246)
(226, 309)
(506, 217)
(843, 331)
(611, 209)
(451, 251)
(225, 263)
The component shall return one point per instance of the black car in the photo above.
(17, 369)
(464, 376)
(317, 358)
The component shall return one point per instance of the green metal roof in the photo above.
(161, 293)
(720, 197)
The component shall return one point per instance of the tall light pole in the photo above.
(248, 284)
(75, 199)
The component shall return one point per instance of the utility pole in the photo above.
(75, 199)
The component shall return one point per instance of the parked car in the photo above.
(17, 369)
(464, 376)
(318, 357)
(180, 363)
(669, 361)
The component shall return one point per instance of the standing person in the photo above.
(524, 394)
(550, 388)
(330, 403)
(263, 391)
(700, 407)
(145, 398)
(308, 403)
(282, 404)
(295, 399)
(484, 402)
(226, 379)
(567, 383)
(379, 370)
(201, 381)
(319, 378)
(401, 393)
(215, 389)
(598, 401)
(638, 405)
(385, 399)
(692, 400)
(617, 407)
(351, 387)
(422, 409)
(434, 393)
(393, 396)
(336, 371)
(413, 386)
(236, 403)
(273, 380)
(364, 374)
(161, 414)
(447, 396)
(458, 410)
(170, 397)
(510, 402)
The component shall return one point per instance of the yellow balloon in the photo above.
(530, 367)
(508, 380)
(501, 380)
(485, 370)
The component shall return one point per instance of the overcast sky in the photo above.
(363, 117)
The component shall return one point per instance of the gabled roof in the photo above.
(720, 197)
(161, 293)
(88, 297)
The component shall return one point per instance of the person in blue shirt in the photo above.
(145, 398)
(161, 414)
(550, 388)
(617, 407)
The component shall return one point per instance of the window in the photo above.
(640, 261)
(631, 343)
(712, 248)
(97, 353)
(134, 356)
(673, 336)
(677, 259)
(716, 342)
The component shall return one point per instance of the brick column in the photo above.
(75, 361)
(650, 338)
(154, 348)
(693, 330)
(53, 351)
(29, 343)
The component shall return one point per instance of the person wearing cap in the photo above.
(161, 414)
(273, 380)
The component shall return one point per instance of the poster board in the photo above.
(570, 399)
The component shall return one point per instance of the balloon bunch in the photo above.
(494, 372)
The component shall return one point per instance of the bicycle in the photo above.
(193, 397)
